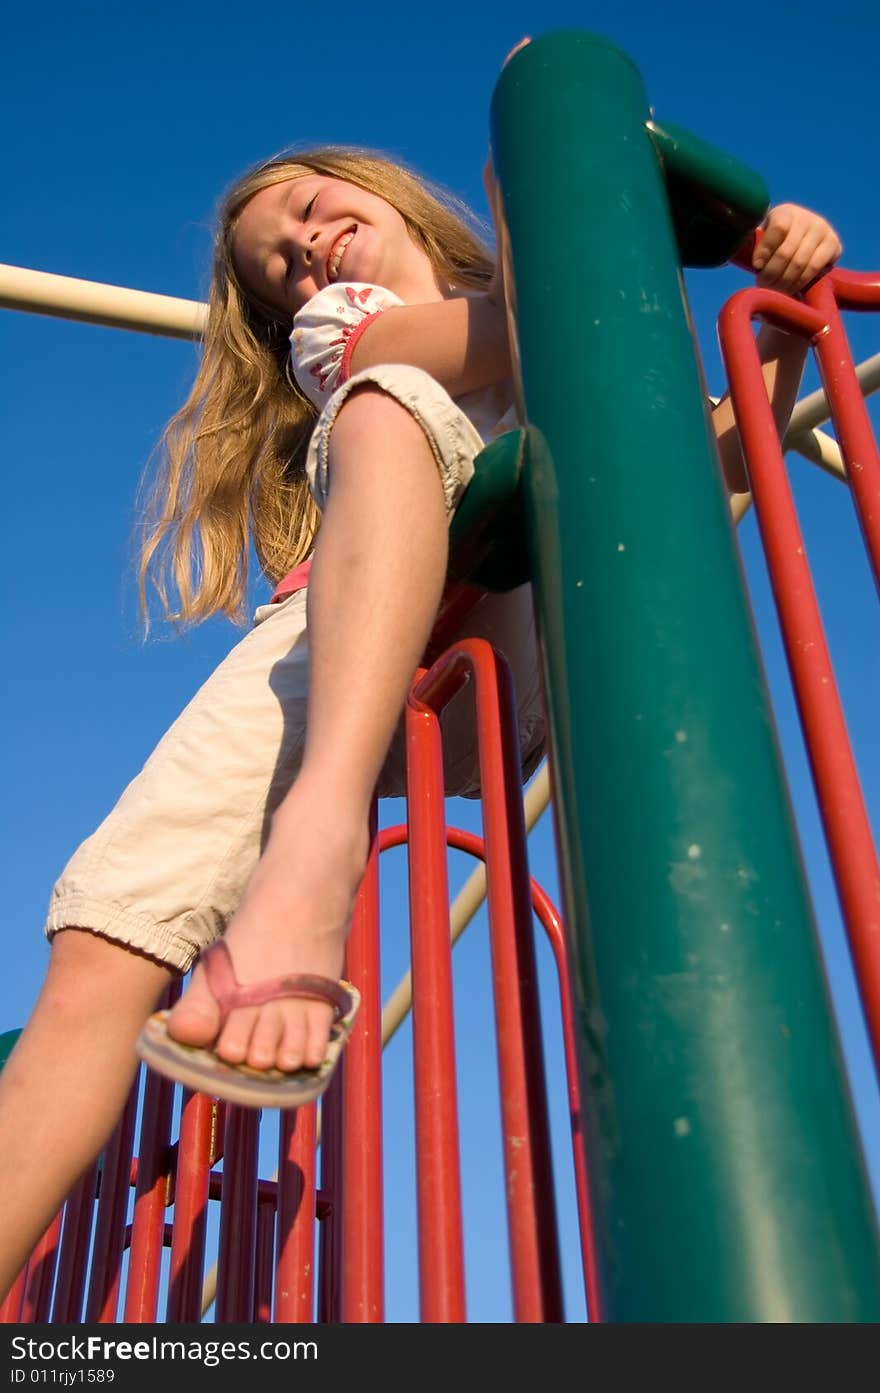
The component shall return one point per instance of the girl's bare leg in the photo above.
(65, 1084)
(375, 585)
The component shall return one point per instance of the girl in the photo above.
(250, 819)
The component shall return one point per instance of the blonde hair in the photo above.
(232, 458)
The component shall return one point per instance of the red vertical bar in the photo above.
(848, 410)
(362, 1277)
(238, 1216)
(537, 1283)
(526, 1136)
(263, 1262)
(295, 1268)
(151, 1197)
(330, 1240)
(74, 1256)
(552, 923)
(10, 1311)
(114, 1183)
(841, 805)
(152, 1192)
(194, 1159)
(41, 1275)
(441, 1245)
(549, 917)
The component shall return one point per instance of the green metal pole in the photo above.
(727, 1176)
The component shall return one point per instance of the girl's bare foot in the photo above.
(293, 918)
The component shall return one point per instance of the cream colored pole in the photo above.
(65, 297)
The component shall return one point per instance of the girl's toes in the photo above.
(266, 1038)
(235, 1038)
(320, 1020)
(291, 1053)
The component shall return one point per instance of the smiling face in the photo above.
(296, 237)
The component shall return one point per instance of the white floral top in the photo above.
(326, 330)
(322, 342)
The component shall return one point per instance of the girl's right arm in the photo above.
(796, 246)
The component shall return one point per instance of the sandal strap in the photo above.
(229, 993)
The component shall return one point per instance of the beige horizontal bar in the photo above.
(39, 292)
(822, 449)
(813, 410)
(814, 445)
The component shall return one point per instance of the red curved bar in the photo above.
(848, 410)
(362, 1223)
(551, 921)
(853, 290)
(531, 1208)
(438, 1176)
(841, 805)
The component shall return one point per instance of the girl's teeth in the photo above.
(333, 268)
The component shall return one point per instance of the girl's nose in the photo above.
(307, 250)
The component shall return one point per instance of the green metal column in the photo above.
(727, 1176)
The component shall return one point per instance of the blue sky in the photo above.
(123, 125)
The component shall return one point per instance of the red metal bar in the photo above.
(295, 1265)
(841, 805)
(330, 1209)
(197, 1123)
(553, 927)
(848, 409)
(854, 290)
(103, 1295)
(551, 921)
(438, 1178)
(10, 1311)
(263, 1263)
(537, 1284)
(41, 1275)
(151, 1197)
(238, 1217)
(362, 1274)
(74, 1255)
(267, 1190)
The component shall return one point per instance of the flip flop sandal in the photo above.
(200, 1069)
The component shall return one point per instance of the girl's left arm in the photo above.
(796, 246)
(462, 343)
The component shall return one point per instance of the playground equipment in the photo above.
(719, 1166)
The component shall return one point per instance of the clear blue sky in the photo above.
(123, 123)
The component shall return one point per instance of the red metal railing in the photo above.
(267, 1229)
(551, 921)
(841, 805)
(530, 1190)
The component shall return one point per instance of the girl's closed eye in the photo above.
(307, 211)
